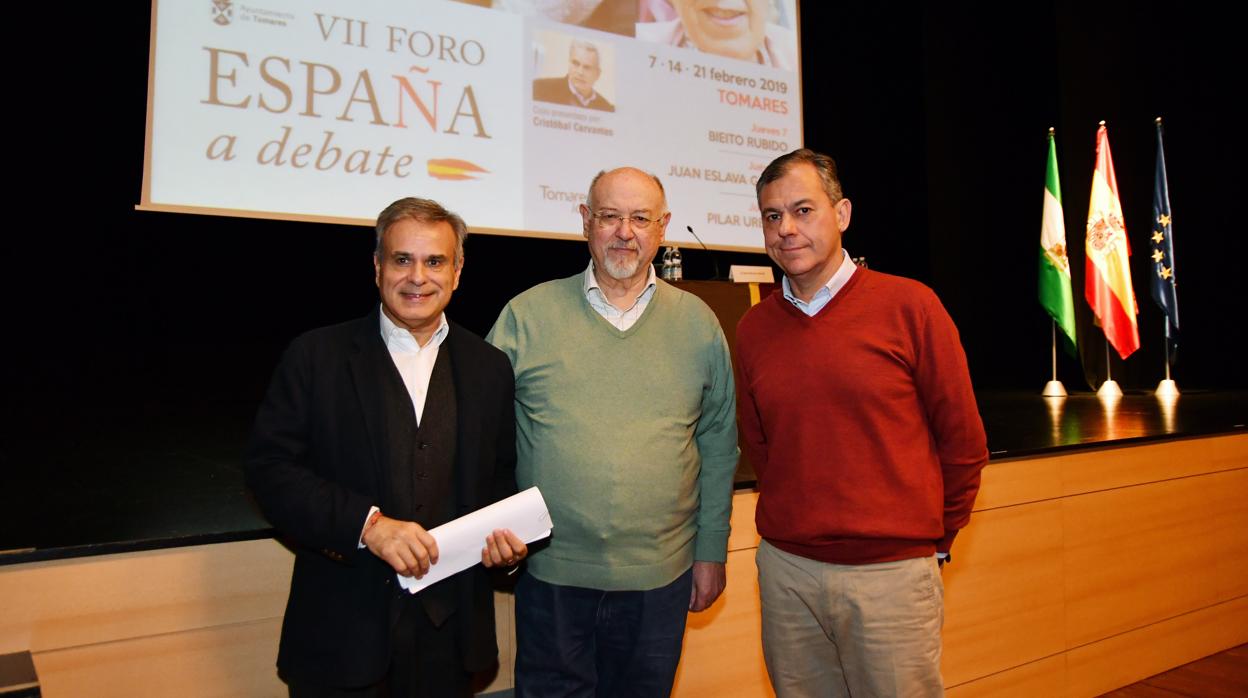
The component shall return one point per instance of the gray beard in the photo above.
(621, 270)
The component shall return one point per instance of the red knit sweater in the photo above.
(860, 422)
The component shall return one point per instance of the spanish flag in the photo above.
(1108, 271)
(453, 169)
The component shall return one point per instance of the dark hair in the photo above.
(823, 164)
(421, 211)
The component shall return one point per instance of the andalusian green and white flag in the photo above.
(1055, 293)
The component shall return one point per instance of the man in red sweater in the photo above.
(856, 406)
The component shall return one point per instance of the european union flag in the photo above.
(1164, 279)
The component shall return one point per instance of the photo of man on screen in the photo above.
(576, 87)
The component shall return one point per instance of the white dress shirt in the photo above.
(415, 363)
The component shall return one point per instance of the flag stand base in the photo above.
(1167, 389)
(1109, 390)
(1054, 389)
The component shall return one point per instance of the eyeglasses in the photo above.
(610, 220)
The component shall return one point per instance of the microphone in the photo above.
(714, 261)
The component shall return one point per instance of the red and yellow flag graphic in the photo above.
(450, 168)
(1108, 270)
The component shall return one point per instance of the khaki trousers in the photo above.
(850, 630)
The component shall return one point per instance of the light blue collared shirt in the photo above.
(622, 319)
(824, 295)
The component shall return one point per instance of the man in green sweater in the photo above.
(625, 420)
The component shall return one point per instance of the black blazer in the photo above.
(318, 460)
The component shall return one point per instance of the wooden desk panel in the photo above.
(1116, 661)
(723, 653)
(1019, 481)
(1143, 554)
(1071, 579)
(1108, 468)
(67, 603)
(1003, 592)
(1229, 522)
(1043, 677)
(229, 660)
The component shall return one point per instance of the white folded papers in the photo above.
(460, 541)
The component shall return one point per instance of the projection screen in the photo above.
(503, 111)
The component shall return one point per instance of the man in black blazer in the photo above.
(372, 432)
(577, 87)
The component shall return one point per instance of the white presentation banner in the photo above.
(330, 110)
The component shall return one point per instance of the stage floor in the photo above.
(156, 478)
(1021, 424)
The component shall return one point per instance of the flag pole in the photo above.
(1054, 387)
(1109, 390)
(1163, 283)
(1167, 354)
(1167, 389)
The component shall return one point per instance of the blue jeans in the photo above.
(572, 641)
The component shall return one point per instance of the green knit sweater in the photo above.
(631, 435)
